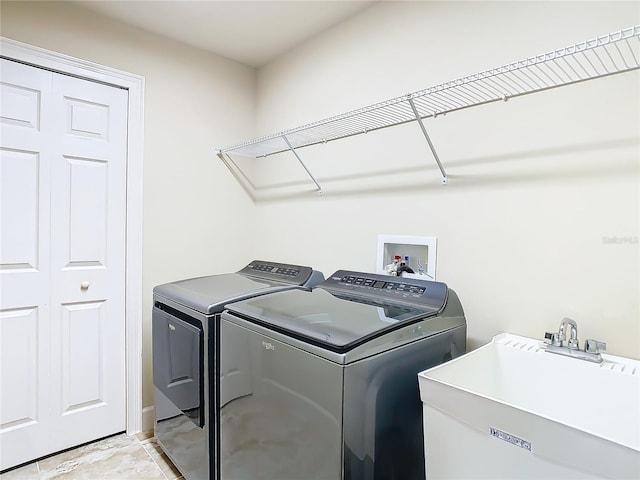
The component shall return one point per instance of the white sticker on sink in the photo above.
(512, 439)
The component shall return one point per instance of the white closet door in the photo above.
(25, 182)
(88, 204)
(71, 364)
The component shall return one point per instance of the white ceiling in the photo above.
(250, 32)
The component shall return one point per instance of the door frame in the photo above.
(47, 59)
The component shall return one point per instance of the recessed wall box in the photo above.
(421, 253)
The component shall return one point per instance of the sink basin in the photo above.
(511, 410)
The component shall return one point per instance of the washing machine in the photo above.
(322, 384)
(185, 329)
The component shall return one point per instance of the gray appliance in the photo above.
(322, 384)
(185, 326)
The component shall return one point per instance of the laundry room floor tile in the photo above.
(119, 457)
(142, 436)
(161, 459)
(113, 457)
(28, 472)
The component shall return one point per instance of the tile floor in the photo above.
(119, 457)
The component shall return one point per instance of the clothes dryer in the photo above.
(185, 326)
(322, 384)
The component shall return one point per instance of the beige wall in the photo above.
(193, 100)
(537, 184)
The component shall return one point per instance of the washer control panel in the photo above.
(373, 283)
(424, 292)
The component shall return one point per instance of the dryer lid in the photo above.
(210, 294)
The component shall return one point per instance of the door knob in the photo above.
(84, 285)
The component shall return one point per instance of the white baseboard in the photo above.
(147, 418)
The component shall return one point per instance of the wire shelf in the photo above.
(606, 55)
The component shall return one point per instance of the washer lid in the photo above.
(210, 294)
(335, 320)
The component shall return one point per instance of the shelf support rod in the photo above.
(293, 150)
(426, 135)
(237, 172)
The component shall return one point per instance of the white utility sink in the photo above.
(511, 410)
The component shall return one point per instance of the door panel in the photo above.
(19, 209)
(20, 106)
(62, 258)
(19, 368)
(85, 214)
(82, 356)
(24, 390)
(87, 119)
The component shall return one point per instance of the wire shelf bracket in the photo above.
(426, 136)
(603, 56)
(293, 150)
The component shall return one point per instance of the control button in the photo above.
(290, 272)
(416, 289)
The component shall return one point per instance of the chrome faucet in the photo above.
(573, 336)
(556, 344)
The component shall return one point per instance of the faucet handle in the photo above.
(553, 337)
(594, 346)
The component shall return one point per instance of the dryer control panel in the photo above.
(423, 292)
(295, 274)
